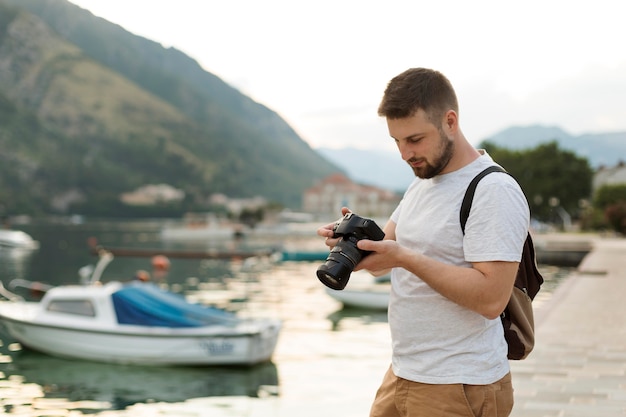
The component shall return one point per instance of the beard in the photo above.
(445, 152)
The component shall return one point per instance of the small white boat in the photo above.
(202, 233)
(17, 239)
(373, 295)
(203, 228)
(374, 299)
(136, 323)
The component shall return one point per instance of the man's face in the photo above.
(425, 147)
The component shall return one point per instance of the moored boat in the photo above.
(370, 298)
(135, 323)
(372, 294)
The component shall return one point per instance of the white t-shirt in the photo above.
(435, 340)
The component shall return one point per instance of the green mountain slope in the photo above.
(121, 111)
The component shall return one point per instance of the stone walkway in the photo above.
(578, 366)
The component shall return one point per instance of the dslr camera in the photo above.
(342, 259)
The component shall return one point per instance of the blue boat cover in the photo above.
(148, 305)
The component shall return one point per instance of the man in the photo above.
(448, 288)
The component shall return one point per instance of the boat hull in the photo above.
(153, 346)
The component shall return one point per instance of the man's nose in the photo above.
(405, 152)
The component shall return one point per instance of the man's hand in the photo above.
(384, 255)
(327, 231)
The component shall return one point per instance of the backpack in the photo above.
(517, 317)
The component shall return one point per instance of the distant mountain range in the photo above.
(601, 149)
(387, 170)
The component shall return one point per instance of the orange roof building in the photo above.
(336, 191)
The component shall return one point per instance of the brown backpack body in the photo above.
(517, 317)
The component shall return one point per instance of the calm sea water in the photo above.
(329, 360)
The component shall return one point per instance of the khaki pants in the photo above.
(398, 397)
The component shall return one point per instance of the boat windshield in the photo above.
(147, 305)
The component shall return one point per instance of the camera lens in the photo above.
(342, 259)
(334, 276)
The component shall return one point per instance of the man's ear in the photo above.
(451, 121)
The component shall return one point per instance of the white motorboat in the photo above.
(136, 323)
(17, 239)
(208, 228)
(203, 228)
(370, 298)
(370, 295)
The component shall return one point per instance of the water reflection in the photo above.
(15, 262)
(116, 387)
(348, 317)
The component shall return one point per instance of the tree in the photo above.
(554, 180)
(616, 216)
(609, 207)
(608, 195)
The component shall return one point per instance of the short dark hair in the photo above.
(418, 88)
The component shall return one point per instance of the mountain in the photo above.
(386, 169)
(90, 111)
(601, 149)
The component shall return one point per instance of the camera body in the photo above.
(342, 259)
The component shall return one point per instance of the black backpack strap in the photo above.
(466, 205)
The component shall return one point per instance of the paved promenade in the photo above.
(578, 367)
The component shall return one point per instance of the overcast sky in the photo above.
(323, 65)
